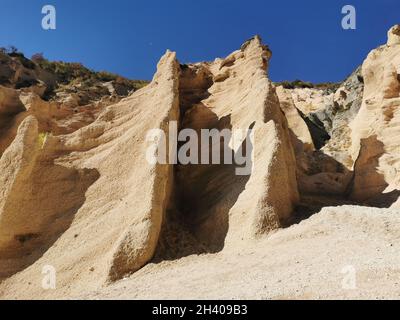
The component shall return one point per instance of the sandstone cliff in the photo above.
(375, 146)
(79, 194)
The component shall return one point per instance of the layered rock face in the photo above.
(97, 206)
(222, 207)
(80, 194)
(300, 133)
(375, 129)
(319, 120)
(94, 203)
(328, 114)
(354, 127)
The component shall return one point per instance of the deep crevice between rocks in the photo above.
(177, 239)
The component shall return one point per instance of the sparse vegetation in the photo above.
(71, 72)
(68, 72)
(42, 139)
(15, 53)
(106, 76)
(306, 84)
(332, 86)
(295, 84)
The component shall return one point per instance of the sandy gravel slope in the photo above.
(304, 261)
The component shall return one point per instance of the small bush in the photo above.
(25, 61)
(38, 57)
(106, 76)
(42, 139)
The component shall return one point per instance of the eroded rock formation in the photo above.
(106, 231)
(254, 204)
(106, 204)
(78, 192)
(375, 129)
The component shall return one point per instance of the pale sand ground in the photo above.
(304, 261)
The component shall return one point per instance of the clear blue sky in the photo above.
(129, 36)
